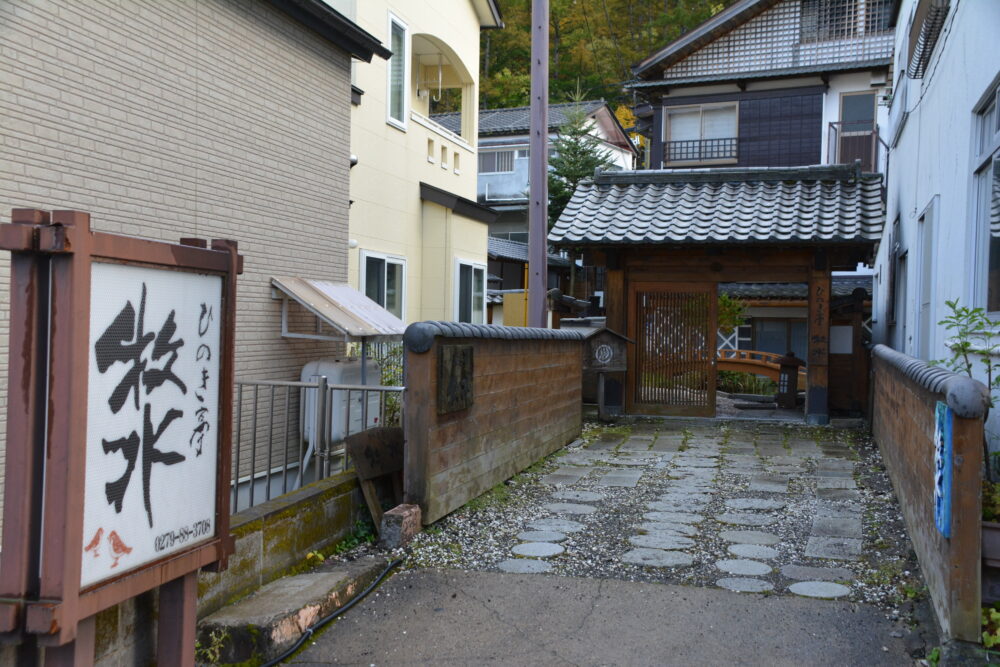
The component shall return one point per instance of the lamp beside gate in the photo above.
(788, 380)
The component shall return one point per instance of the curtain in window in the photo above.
(397, 70)
(718, 123)
(685, 125)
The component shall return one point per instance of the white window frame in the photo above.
(735, 104)
(399, 123)
(388, 259)
(985, 149)
(457, 287)
(513, 156)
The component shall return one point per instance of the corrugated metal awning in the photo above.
(341, 307)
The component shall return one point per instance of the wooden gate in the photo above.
(672, 364)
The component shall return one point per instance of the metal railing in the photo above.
(857, 140)
(289, 434)
(700, 150)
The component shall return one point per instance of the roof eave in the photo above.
(334, 27)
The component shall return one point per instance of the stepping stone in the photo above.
(524, 566)
(834, 464)
(657, 558)
(631, 462)
(661, 541)
(753, 551)
(584, 458)
(695, 463)
(771, 451)
(742, 585)
(682, 496)
(786, 461)
(672, 517)
(743, 567)
(559, 525)
(541, 536)
(830, 527)
(838, 548)
(621, 478)
(538, 549)
(835, 483)
(637, 444)
(669, 528)
(580, 496)
(662, 445)
(569, 508)
(769, 483)
(675, 506)
(754, 504)
(819, 589)
(749, 537)
(785, 470)
(845, 511)
(604, 445)
(565, 475)
(852, 495)
(834, 473)
(806, 573)
(746, 519)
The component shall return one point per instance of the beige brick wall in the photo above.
(171, 118)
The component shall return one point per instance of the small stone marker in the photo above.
(754, 504)
(538, 549)
(541, 536)
(657, 558)
(399, 526)
(569, 508)
(819, 589)
(523, 566)
(578, 496)
(746, 519)
(671, 517)
(834, 527)
(559, 525)
(753, 551)
(661, 541)
(838, 548)
(741, 585)
(743, 567)
(749, 537)
(806, 573)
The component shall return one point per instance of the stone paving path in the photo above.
(707, 485)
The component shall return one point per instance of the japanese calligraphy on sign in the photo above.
(152, 416)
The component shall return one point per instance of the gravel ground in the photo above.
(481, 535)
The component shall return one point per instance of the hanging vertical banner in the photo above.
(152, 424)
(942, 468)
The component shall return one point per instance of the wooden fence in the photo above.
(483, 403)
(906, 392)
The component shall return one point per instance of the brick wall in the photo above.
(215, 119)
(526, 404)
(903, 425)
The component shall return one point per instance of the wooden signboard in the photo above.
(118, 425)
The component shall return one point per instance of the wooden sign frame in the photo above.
(40, 592)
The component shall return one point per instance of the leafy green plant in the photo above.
(991, 625)
(972, 344)
(731, 313)
(212, 652)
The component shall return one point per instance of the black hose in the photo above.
(332, 615)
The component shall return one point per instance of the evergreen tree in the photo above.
(577, 155)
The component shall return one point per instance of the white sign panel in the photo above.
(152, 418)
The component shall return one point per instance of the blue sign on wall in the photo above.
(942, 468)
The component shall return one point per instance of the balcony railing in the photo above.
(857, 140)
(700, 150)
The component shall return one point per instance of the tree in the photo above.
(578, 153)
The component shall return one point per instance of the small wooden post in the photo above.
(175, 634)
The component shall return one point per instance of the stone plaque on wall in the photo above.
(454, 381)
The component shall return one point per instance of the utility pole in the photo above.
(538, 169)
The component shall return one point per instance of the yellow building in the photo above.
(417, 236)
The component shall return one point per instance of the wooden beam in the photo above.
(817, 390)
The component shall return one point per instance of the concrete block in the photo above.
(399, 525)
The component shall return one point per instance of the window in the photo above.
(496, 162)
(383, 280)
(987, 191)
(701, 133)
(470, 302)
(399, 76)
(523, 153)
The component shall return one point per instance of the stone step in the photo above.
(263, 625)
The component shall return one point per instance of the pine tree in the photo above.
(578, 153)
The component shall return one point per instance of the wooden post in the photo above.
(79, 652)
(615, 306)
(175, 633)
(818, 369)
(962, 612)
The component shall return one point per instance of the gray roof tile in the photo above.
(766, 205)
(841, 286)
(517, 251)
(515, 120)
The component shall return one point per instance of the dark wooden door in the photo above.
(672, 364)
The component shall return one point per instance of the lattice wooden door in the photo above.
(672, 364)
